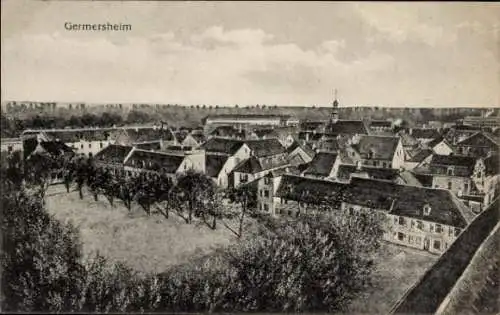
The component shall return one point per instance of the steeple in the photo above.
(335, 111)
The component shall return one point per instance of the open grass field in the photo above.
(145, 243)
(398, 268)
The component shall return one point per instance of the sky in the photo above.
(225, 53)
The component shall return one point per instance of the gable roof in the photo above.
(113, 153)
(292, 187)
(479, 139)
(154, 161)
(255, 165)
(409, 201)
(214, 164)
(350, 127)
(228, 131)
(453, 160)
(221, 145)
(425, 133)
(265, 147)
(436, 141)
(344, 172)
(321, 164)
(311, 125)
(149, 134)
(55, 147)
(421, 155)
(426, 296)
(381, 147)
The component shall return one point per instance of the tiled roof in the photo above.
(322, 164)
(480, 139)
(407, 140)
(421, 155)
(214, 164)
(429, 293)
(115, 154)
(265, 147)
(409, 178)
(149, 134)
(381, 123)
(293, 187)
(55, 147)
(409, 201)
(466, 162)
(255, 165)
(153, 145)
(380, 148)
(344, 172)
(350, 127)
(311, 125)
(77, 135)
(436, 141)
(425, 133)
(246, 117)
(229, 131)
(154, 161)
(220, 145)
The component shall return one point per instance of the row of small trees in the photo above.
(299, 265)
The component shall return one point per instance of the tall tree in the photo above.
(194, 189)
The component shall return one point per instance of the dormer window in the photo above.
(427, 210)
(449, 171)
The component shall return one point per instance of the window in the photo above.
(266, 207)
(243, 178)
(90, 145)
(9, 148)
(457, 231)
(81, 146)
(437, 244)
(439, 228)
(401, 236)
(427, 210)
(267, 180)
(449, 171)
(420, 225)
(402, 221)
(418, 240)
(384, 165)
(450, 184)
(100, 145)
(351, 210)
(466, 188)
(431, 227)
(266, 193)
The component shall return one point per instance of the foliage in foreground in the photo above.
(298, 266)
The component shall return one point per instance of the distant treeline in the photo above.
(191, 116)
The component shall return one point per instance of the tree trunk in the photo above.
(67, 187)
(242, 217)
(190, 211)
(214, 222)
(96, 198)
(80, 192)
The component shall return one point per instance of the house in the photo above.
(299, 154)
(417, 157)
(463, 279)
(247, 121)
(218, 168)
(380, 125)
(135, 136)
(142, 161)
(423, 218)
(285, 135)
(265, 155)
(418, 217)
(193, 140)
(410, 144)
(377, 151)
(424, 135)
(479, 144)
(113, 156)
(440, 146)
(486, 178)
(492, 121)
(230, 132)
(345, 173)
(9, 145)
(324, 165)
(451, 172)
(233, 151)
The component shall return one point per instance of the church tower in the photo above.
(334, 117)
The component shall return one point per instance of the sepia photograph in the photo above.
(250, 157)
